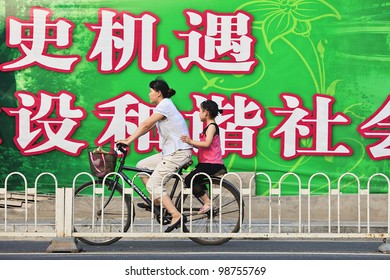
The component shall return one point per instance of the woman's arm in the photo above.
(143, 128)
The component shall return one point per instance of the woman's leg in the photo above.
(164, 170)
(168, 204)
(149, 163)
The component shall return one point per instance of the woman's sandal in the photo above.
(177, 224)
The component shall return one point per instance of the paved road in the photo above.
(188, 250)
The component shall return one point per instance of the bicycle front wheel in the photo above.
(100, 211)
(225, 216)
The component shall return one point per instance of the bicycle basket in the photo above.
(102, 162)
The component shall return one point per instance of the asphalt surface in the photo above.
(188, 250)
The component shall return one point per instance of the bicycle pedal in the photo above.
(167, 219)
(144, 206)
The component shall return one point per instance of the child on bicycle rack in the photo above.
(209, 152)
(175, 153)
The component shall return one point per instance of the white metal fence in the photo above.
(333, 215)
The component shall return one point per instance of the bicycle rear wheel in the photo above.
(225, 216)
(91, 217)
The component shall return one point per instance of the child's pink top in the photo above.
(212, 154)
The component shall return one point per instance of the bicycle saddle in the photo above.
(188, 164)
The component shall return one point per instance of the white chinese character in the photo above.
(300, 124)
(238, 125)
(33, 38)
(38, 131)
(1, 141)
(119, 36)
(124, 114)
(218, 43)
(377, 126)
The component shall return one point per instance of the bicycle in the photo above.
(117, 206)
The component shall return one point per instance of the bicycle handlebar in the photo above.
(122, 148)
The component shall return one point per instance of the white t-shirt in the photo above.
(171, 128)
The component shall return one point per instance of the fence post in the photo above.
(385, 247)
(64, 242)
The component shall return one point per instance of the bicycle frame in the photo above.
(133, 185)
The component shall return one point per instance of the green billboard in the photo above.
(304, 84)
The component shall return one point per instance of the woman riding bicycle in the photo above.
(175, 153)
